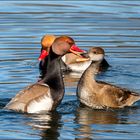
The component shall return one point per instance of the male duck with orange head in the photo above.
(47, 94)
(46, 43)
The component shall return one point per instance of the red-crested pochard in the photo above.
(45, 95)
(101, 95)
(95, 53)
(46, 43)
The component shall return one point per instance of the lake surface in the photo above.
(113, 25)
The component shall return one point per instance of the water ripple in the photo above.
(113, 25)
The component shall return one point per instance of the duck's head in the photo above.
(96, 54)
(48, 40)
(63, 45)
(46, 43)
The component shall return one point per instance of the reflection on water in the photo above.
(86, 117)
(48, 124)
(89, 121)
(113, 25)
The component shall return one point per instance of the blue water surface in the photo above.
(113, 25)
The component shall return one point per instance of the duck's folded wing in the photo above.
(118, 97)
(27, 95)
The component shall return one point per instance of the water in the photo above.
(113, 25)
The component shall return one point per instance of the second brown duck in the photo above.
(102, 95)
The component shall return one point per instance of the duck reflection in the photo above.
(89, 116)
(49, 125)
(86, 117)
(71, 79)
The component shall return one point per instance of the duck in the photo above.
(45, 95)
(46, 43)
(101, 95)
(81, 64)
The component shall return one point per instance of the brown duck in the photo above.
(100, 95)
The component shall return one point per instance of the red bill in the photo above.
(43, 54)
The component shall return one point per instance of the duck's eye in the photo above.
(64, 51)
(95, 52)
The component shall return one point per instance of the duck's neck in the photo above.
(89, 75)
(53, 75)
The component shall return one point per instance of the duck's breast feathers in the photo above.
(27, 95)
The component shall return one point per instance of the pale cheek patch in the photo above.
(43, 104)
(97, 57)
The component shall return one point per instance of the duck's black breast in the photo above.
(52, 74)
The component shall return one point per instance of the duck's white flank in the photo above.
(44, 103)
